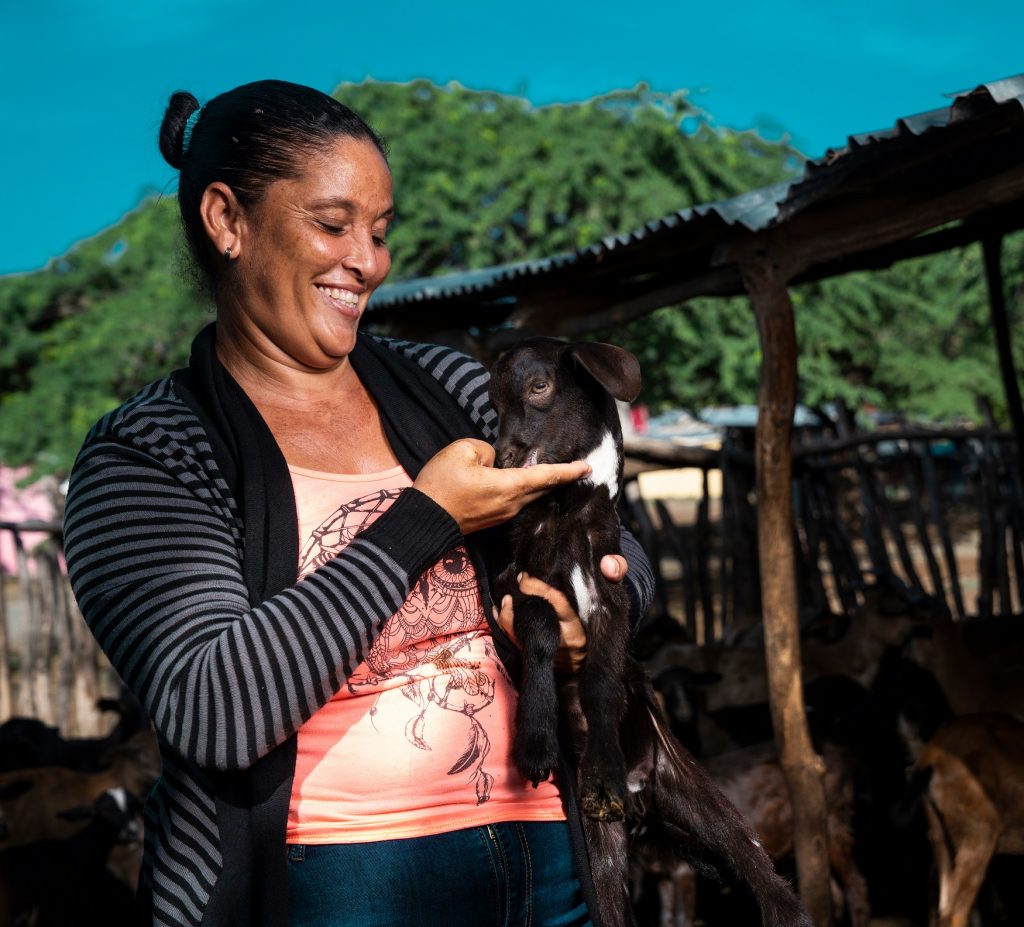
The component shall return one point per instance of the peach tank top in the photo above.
(418, 739)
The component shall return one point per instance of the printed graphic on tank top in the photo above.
(417, 740)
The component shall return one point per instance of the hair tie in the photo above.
(190, 125)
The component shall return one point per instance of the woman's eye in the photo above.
(332, 229)
(380, 241)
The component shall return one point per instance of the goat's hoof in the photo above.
(601, 804)
(537, 776)
(536, 758)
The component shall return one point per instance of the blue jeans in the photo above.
(499, 875)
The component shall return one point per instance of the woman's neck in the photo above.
(270, 377)
(322, 419)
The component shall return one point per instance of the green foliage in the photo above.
(89, 330)
(915, 338)
(482, 179)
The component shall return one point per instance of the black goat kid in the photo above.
(636, 782)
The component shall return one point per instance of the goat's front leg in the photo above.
(535, 748)
(603, 701)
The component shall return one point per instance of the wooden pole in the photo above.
(992, 249)
(6, 695)
(802, 767)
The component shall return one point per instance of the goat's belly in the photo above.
(421, 748)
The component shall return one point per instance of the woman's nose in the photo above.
(361, 257)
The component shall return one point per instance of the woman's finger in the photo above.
(572, 649)
(505, 618)
(540, 478)
(614, 567)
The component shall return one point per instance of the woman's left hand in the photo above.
(573, 648)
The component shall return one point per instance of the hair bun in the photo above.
(172, 130)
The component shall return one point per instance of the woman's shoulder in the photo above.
(155, 407)
(157, 424)
(464, 378)
(438, 359)
(154, 439)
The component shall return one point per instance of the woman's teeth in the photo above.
(345, 296)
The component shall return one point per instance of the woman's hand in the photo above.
(462, 479)
(573, 648)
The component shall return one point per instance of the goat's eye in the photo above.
(539, 386)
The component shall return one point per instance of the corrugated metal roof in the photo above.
(754, 211)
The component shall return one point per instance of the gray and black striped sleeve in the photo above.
(156, 569)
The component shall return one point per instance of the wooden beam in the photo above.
(919, 435)
(803, 769)
(669, 455)
(870, 222)
(613, 306)
(992, 250)
(956, 236)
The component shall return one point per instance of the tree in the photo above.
(482, 178)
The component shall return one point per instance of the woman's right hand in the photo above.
(462, 479)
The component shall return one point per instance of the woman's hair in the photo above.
(247, 138)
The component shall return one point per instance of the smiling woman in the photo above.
(278, 549)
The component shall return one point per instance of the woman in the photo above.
(279, 550)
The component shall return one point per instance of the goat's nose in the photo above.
(504, 454)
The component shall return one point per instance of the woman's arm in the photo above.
(639, 579)
(157, 573)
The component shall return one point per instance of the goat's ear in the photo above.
(614, 368)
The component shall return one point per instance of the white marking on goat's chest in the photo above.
(604, 465)
(585, 591)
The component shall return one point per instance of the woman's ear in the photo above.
(223, 218)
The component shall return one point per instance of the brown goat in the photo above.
(972, 775)
(752, 779)
(743, 673)
(44, 792)
(33, 801)
(978, 669)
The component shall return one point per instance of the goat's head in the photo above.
(555, 399)
(113, 812)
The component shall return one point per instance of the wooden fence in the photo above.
(938, 515)
(50, 666)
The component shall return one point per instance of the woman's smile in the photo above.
(344, 300)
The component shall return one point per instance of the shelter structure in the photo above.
(934, 181)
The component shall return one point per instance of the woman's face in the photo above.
(314, 252)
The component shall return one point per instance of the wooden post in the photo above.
(6, 695)
(803, 768)
(992, 248)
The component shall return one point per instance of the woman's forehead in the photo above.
(347, 174)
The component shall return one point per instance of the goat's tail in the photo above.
(682, 797)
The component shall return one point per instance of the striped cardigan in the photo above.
(154, 549)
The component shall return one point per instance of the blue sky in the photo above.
(83, 83)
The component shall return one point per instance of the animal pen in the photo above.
(939, 180)
(804, 523)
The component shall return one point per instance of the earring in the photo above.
(227, 254)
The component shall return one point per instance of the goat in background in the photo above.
(970, 776)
